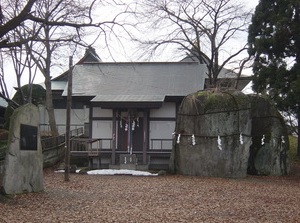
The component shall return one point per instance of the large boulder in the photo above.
(270, 144)
(23, 168)
(212, 135)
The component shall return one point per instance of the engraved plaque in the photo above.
(28, 137)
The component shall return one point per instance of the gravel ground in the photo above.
(169, 198)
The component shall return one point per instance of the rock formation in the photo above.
(213, 135)
(269, 149)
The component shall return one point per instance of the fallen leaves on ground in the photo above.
(168, 198)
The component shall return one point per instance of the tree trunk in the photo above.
(49, 106)
(49, 98)
(298, 146)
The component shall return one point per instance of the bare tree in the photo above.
(9, 20)
(4, 92)
(204, 29)
(55, 28)
(12, 18)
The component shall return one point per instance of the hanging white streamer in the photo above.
(193, 140)
(219, 143)
(173, 135)
(263, 140)
(121, 125)
(133, 126)
(241, 139)
(126, 127)
(282, 139)
(178, 138)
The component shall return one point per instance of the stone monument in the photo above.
(23, 168)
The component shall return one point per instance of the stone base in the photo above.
(114, 167)
(142, 167)
(128, 166)
(128, 161)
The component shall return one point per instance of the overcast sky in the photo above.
(120, 55)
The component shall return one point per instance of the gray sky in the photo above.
(119, 55)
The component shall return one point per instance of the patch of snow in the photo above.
(115, 172)
(122, 172)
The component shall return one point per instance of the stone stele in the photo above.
(23, 171)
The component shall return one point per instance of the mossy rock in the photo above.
(210, 116)
(270, 143)
(215, 101)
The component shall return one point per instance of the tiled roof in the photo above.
(132, 82)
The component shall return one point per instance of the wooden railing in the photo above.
(61, 128)
(106, 143)
(91, 146)
(88, 145)
(52, 142)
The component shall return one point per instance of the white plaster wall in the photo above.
(43, 113)
(99, 112)
(102, 129)
(86, 114)
(168, 110)
(78, 117)
(161, 130)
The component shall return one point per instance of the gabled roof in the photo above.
(90, 56)
(136, 82)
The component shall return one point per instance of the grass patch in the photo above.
(293, 148)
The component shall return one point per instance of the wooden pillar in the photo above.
(68, 121)
(114, 135)
(91, 122)
(129, 136)
(145, 134)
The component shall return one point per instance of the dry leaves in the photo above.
(170, 198)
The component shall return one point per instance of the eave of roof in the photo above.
(128, 98)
